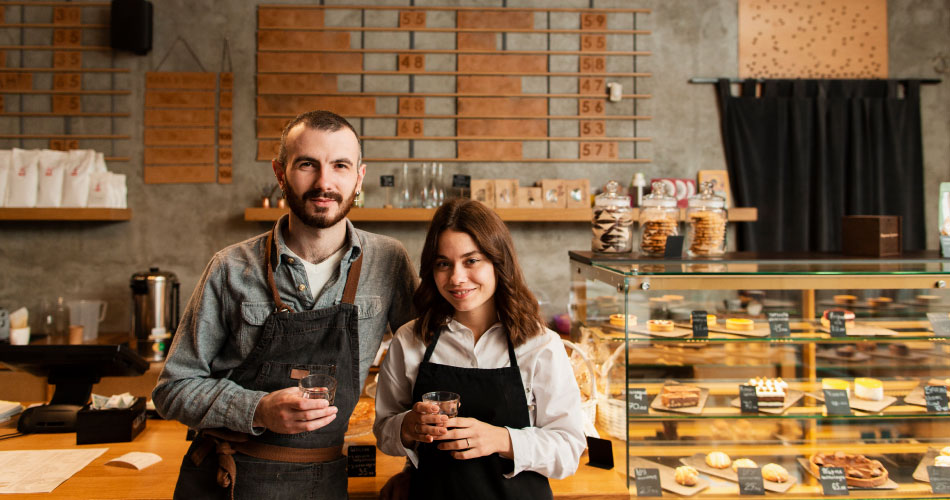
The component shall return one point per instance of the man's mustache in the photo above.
(320, 193)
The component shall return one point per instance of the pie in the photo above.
(739, 324)
(660, 325)
(859, 470)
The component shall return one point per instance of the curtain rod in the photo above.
(740, 80)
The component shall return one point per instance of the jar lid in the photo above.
(658, 197)
(611, 196)
(706, 197)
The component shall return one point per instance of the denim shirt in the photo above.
(224, 318)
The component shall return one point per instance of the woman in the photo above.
(480, 335)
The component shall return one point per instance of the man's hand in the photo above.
(287, 412)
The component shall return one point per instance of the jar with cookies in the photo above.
(612, 224)
(706, 219)
(658, 220)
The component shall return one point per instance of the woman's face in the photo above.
(463, 274)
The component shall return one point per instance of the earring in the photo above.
(357, 193)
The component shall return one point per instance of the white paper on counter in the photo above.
(41, 471)
(135, 460)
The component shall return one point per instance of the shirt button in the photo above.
(301, 287)
(291, 260)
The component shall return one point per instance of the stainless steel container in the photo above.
(154, 312)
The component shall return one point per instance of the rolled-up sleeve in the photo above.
(186, 390)
(553, 446)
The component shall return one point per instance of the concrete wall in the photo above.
(179, 227)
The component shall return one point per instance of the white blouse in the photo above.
(554, 442)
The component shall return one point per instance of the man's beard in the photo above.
(323, 218)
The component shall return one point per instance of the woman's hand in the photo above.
(423, 423)
(472, 438)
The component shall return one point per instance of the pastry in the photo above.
(880, 301)
(660, 325)
(869, 388)
(859, 470)
(898, 349)
(845, 299)
(739, 324)
(769, 392)
(940, 381)
(744, 463)
(945, 451)
(867, 347)
(618, 320)
(848, 317)
(679, 396)
(718, 460)
(942, 461)
(835, 383)
(686, 475)
(710, 320)
(927, 299)
(846, 351)
(775, 473)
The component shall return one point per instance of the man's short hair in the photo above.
(317, 120)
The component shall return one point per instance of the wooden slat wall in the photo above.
(305, 64)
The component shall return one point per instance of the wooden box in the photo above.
(871, 235)
(577, 193)
(553, 194)
(483, 190)
(506, 193)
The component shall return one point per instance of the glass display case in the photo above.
(782, 334)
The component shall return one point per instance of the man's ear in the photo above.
(278, 172)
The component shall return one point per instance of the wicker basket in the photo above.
(589, 407)
(611, 412)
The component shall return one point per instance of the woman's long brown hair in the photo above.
(517, 307)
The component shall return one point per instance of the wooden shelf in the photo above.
(72, 214)
(258, 214)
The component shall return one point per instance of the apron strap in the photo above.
(511, 352)
(431, 346)
(280, 305)
(353, 278)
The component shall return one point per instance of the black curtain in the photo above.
(806, 152)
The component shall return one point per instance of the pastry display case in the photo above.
(793, 367)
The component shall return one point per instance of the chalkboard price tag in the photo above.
(836, 402)
(750, 481)
(939, 479)
(387, 181)
(833, 481)
(600, 453)
(361, 461)
(700, 328)
(648, 482)
(674, 247)
(637, 403)
(778, 325)
(940, 322)
(461, 181)
(936, 398)
(836, 324)
(748, 401)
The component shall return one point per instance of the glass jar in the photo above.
(612, 224)
(658, 220)
(706, 219)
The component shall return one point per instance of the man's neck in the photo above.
(314, 244)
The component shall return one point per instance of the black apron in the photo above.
(291, 345)
(494, 396)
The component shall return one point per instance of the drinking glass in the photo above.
(405, 189)
(448, 402)
(318, 386)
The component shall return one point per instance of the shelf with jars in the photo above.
(797, 363)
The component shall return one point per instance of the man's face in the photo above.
(322, 174)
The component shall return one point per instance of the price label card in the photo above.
(833, 481)
(836, 402)
(387, 181)
(600, 453)
(936, 398)
(747, 399)
(939, 479)
(461, 181)
(674, 247)
(778, 325)
(648, 482)
(940, 322)
(750, 481)
(637, 403)
(361, 461)
(700, 328)
(836, 324)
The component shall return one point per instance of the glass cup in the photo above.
(318, 386)
(448, 402)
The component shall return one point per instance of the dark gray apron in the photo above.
(291, 344)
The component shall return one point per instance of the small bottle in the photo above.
(60, 320)
(405, 191)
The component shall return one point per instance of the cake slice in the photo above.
(679, 396)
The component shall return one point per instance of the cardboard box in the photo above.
(112, 425)
(506, 193)
(529, 197)
(871, 235)
(577, 193)
(552, 193)
(483, 190)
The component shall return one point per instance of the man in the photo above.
(314, 295)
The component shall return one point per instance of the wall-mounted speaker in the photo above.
(131, 26)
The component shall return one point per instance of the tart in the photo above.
(836, 383)
(718, 460)
(871, 389)
(619, 320)
(686, 475)
(739, 324)
(775, 473)
(660, 325)
(848, 317)
(710, 320)
(860, 471)
(942, 461)
(940, 381)
(945, 452)
(880, 301)
(743, 463)
(679, 396)
(845, 299)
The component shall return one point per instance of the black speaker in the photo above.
(131, 26)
